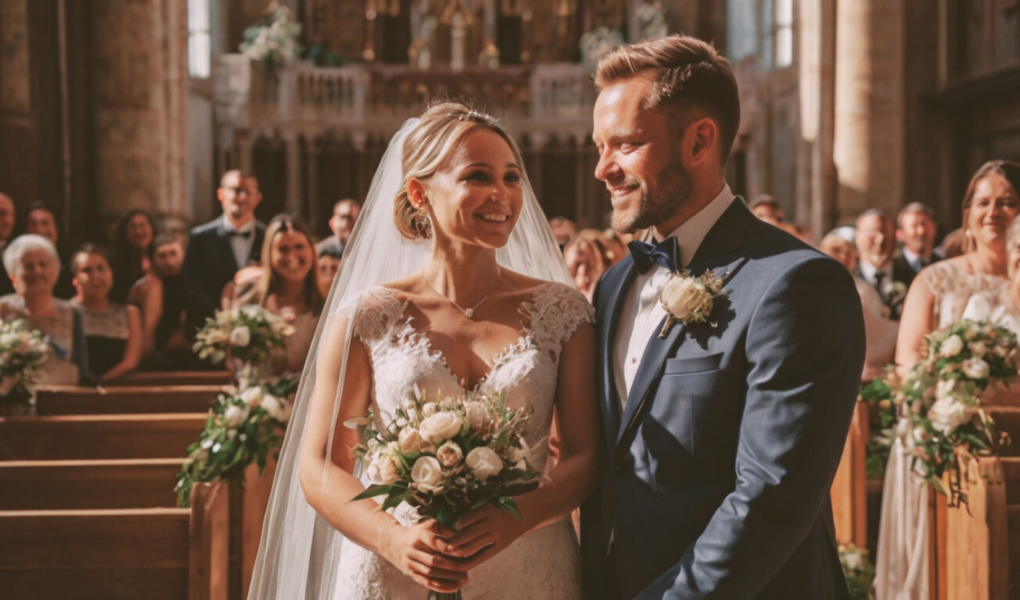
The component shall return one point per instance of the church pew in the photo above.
(73, 400)
(87, 485)
(849, 492)
(164, 378)
(247, 513)
(157, 553)
(92, 437)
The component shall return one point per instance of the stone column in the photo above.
(869, 139)
(314, 150)
(817, 56)
(295, 179)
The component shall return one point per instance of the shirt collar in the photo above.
(229, 226)
(693, 231)
(869, 270)
(910, 256)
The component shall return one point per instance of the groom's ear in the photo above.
(701, 141)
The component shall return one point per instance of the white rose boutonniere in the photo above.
(895, 291)
(690, 300)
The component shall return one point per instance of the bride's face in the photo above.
(992, 209)
(476, 198)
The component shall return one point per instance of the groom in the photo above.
(723, 436)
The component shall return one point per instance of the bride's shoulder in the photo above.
(539, 290)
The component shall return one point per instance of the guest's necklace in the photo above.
(468, 312)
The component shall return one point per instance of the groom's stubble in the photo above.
(660, 198)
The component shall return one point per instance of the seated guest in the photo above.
(563, 230)
(159, 295)
(220, 248)
(767, 209)
(7, 218)
(39, 220)
(586, 259)
(616, 246)
(345, 215)
(113, 331)
(952, 245)
(876, 247)
(915, 231)
(133, 246)
(288, 286)
(329, 265)
(34, 266)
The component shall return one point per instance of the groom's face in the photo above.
(639, 157)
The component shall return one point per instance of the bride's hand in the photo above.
(416, 551)
(482, 534)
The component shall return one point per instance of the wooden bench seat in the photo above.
(73, 400)
(849, 491)
(173, 378)
(154, 553)
(92, 437)
(86, 485)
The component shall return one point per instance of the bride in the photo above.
(452, 283)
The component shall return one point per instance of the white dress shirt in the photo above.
(641, 313)
(241, 245)
(914, 260)
(868, 272)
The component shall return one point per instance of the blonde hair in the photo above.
(426, 151)
(689, 77)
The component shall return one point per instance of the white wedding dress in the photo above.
(544, 564)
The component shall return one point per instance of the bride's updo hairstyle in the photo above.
(426, 151)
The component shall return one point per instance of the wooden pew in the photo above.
(88, 485)
(247, 513)
(849, 492)
(159, 553)
(164, 378)
(93, 437)
(74, 400)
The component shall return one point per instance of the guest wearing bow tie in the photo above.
(218, 249)
(876, 244)
(915, 231)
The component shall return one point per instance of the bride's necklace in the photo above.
(468, 312)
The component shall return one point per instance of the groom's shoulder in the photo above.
(773, 252)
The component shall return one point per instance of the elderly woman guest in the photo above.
(34, 266)
(113, 331)
(133, 252)
(288, 286)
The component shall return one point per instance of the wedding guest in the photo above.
(218, 249)
(160, 297)
(879, 330)
(113, 331)
(915, 231)
(288, 286)
(952, 245)
(345, 215)
(586, 261)
(39, 220)
(7, 221)
(876, 262)
(766, 208)
(563, 230)
(133, 252)
(34, 266)
(616, 247)
(940, 299)
(329, 265)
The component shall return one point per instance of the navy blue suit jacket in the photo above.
(722, 460)
(208, 265)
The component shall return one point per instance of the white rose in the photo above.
(382, 470)
(944, 389)
(440, 426)
(975, 368)
(516, 454)
(682, 296)
(484, 463)
(427, 473)
(852, 560)
(449, 454)
(235, 415)
(951, 347)
(409, 441)
(948, 414)
(429, 409)
(240, 337)
(477, 415)
(276, 407)
(216, 337)
(978, 349)
(252, 396)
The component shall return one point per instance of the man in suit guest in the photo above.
(345, 215)
(7, 218)
(218, 249)
(915, 232)
(877, 264)
(39, 219)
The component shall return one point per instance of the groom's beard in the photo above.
(655, 207)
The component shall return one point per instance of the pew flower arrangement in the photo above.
(275, 41)
(857, 570)
(22, 352)
(241, 429)
(248, 334)
(879, 395)
(941, 398)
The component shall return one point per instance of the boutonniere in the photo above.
(688, 299)
(895, 291)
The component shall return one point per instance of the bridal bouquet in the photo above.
(942, 397)
(22, 351)
(249, 334)
(241, 429)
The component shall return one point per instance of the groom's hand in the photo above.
(417, 552)
(482, 534)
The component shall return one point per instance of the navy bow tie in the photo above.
(665, 254)
(244, 234)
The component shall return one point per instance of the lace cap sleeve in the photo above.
(556, 311)
(376, 312)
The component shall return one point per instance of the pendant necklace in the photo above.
(468, 312)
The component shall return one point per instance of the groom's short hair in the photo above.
(688, 76)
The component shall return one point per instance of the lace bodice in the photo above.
(544, 564)
(953, 288)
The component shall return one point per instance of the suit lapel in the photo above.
(717, 252)
(613, 307)
(223, 248)
(256, 248)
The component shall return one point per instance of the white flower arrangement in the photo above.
(274, 42)
(688, 299)
(857, 570)
(22, 352)
(597, 43)
(249, 334)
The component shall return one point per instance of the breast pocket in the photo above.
(698, 364)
